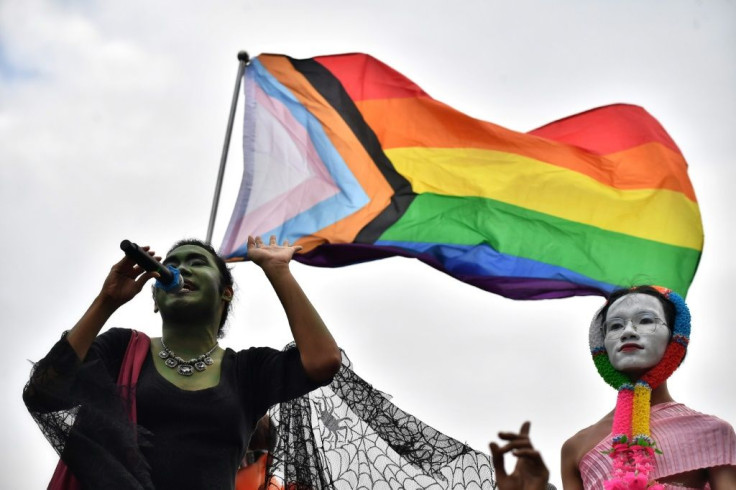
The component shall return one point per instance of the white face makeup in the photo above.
(635, 352)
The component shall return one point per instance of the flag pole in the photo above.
(243, 60)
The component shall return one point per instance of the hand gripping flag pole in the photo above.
(243, 59)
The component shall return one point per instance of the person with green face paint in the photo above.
(185, 409)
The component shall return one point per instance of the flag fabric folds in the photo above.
(353, 161)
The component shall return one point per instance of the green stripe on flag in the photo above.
(606, 256)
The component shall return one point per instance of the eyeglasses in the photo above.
(644, 324)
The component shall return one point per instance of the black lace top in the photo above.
(184, 439)
(344, 435)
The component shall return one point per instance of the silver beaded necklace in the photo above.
(186, 368)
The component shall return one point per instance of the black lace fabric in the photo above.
(348, 435)
(84, 416)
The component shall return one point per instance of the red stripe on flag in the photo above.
(608, 129)
(365, 78)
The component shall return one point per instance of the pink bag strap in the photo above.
(130, 369)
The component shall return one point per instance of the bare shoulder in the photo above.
(722, 476)
(573, 448)
(572, 452)
(577, 446)
(584, 440)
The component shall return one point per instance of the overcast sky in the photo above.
(112, 117)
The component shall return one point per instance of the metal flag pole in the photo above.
(244, 59)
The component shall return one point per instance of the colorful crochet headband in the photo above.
(632, 446)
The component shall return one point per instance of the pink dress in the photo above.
(689, 440)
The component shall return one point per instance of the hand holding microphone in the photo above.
(169, 280)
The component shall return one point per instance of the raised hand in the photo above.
(125, 280)
(530, 472)
(272, 255)
(319, 353)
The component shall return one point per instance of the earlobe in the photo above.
(227, 295)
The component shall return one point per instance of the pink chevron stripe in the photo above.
(270, 205)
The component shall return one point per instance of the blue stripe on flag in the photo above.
(482, 260)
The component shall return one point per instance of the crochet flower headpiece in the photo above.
(632, 444)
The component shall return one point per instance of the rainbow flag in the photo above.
(353, 161)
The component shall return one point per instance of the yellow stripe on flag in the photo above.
(660, 215)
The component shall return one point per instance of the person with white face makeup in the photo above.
(637, 340)
(636, 334)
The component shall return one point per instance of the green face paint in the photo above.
(202, 290)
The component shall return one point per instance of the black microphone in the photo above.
(170, 279)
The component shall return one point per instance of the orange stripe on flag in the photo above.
(425, 122)
(635, 169)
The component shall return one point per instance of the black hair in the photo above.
(226, 276)
(669, 308)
